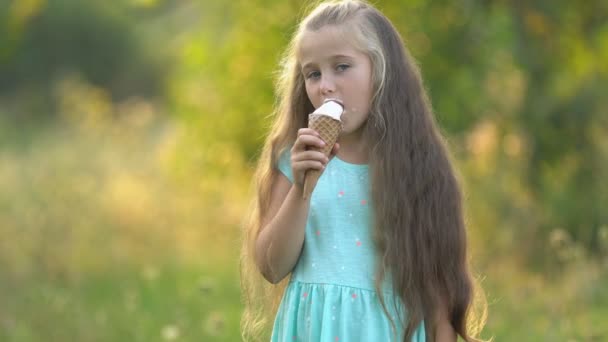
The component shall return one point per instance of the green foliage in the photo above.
(43, 41)
(232, 67)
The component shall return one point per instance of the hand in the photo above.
(304, 155)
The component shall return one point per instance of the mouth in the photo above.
(333, 99)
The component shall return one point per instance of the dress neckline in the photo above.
(351, 165)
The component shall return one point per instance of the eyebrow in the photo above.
(309, 64)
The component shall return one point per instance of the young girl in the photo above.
(378, 252)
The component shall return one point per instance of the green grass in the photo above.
(569, 306)
(198, 303)
(171, 302)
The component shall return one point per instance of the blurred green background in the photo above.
(129, 130)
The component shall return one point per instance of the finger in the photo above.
(307, 165)
(308, 131)
(305, 141)
(310, 155)
(335, 150)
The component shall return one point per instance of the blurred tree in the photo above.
(563, 46)
(42, 41)
(223, 88)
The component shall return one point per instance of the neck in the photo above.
(353, 148)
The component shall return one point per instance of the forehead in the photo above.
(324, 43)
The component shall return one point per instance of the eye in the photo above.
(313, 75)
(342, 67)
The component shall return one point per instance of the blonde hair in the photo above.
(419, 229)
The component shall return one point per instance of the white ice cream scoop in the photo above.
(331, 108)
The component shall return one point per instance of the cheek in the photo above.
(310, 93)
(356, 115)
(361, 104)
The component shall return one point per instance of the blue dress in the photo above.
(331, 295)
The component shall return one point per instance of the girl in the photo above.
(378, 252)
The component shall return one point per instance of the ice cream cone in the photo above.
(329, 128)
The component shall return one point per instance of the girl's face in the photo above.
(334, 69)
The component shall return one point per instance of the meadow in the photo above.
(102, 241)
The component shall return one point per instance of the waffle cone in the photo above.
(329, 129)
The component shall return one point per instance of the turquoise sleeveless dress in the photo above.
(331, 295)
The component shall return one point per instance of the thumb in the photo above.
(334, 150)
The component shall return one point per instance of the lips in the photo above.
(334, 99)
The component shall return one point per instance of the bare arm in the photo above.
(281, 238)
(445, 331)
(280, 242)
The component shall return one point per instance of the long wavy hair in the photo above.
(419, 230)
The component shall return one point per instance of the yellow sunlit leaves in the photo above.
(536, 22)
(194, 53)
(482, 140)
(513, 145)
(145, 3)
(22, 10)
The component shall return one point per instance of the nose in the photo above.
(327, 86)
